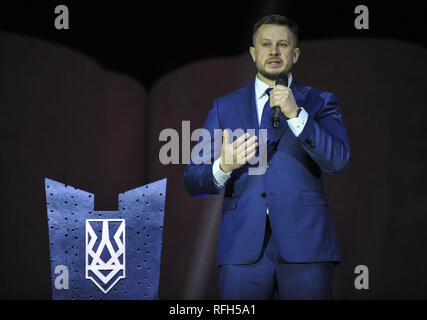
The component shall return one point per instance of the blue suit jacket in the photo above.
(291, 188)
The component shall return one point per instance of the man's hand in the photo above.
(236, 154)
(282, 97)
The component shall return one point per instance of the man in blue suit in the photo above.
(276, 237)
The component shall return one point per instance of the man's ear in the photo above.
(295, 55)
(252, 51)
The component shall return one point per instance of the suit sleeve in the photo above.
(198, 178)
(324, 137)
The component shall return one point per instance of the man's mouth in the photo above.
(274, 63)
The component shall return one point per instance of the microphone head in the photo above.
(282, 79)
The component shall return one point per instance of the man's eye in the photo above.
(265, 44)
(283, 44)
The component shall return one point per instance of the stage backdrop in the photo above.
(66, 118)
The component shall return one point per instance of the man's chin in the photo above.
(272, 75)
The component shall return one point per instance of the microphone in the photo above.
(282, 79)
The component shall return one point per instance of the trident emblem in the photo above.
(105, 263)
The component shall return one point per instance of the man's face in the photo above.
(274, 51)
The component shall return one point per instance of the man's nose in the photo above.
(275, 51)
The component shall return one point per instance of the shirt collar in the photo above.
(260, 86)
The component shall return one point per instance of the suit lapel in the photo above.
(300, 93)
(248, 115)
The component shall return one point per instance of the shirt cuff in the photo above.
(220, 177)
(297, 124)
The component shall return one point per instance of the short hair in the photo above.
(277, 20)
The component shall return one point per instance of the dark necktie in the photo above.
(267, 114)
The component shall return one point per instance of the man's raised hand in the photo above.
(236, 154)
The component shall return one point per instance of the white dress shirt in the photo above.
(295, 124)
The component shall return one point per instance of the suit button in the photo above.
(263, 195)
(310, 142)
